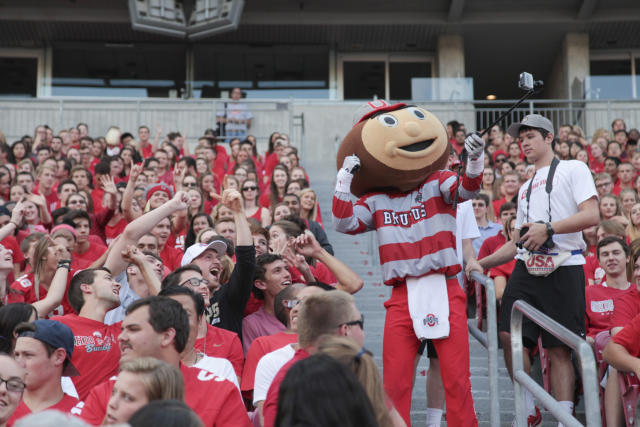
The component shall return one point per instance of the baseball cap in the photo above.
(533, 121)
(195, 250)
(157, 187)
(57, 335)
(372, 107)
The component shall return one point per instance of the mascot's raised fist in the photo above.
(351, 164)
(474, 144)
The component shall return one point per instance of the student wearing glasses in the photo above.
(12, 387)
(211, 341)
(252, 209)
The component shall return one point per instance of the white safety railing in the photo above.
(522, 381)
(489, 340)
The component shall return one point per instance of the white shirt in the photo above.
(572, 185)
(466, 228)
(219, 366)
(267, 368)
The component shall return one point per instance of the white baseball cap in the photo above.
(197, 249)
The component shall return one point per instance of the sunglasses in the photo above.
(359, 322)
(189, 184)
(254, 188)
(501, 159)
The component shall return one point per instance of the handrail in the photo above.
(490, 341)
(522, 381)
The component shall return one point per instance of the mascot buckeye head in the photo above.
(398, 145)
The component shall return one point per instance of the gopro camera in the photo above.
(548, 244)
(526, 81)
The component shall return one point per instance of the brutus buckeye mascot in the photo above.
(393, 160)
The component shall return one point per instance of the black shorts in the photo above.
(431, 349)
(560, 296)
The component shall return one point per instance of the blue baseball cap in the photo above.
(57, 335)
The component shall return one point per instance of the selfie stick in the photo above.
(535, 88)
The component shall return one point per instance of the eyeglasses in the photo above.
(359, 322)
(250, 188)
(195, 282)
(14, 384)
(292, 302)
(189, 184)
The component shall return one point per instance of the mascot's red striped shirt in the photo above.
(415, 229)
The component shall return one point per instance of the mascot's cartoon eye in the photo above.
(417, 113)
(388, 120)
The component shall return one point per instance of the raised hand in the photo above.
(232, 200)
(108, 184)
(180, 200)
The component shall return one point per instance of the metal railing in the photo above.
(522, 381)
(489, 340)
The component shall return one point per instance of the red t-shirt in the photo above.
(84, 260)
(22, 290)
(96, 353)
(593, 271)
(627, 306)
(222, 343)
(51, 198)
(147, 151)
(491, 244)
(66, 405)
(628, 337)
(323, 274)
(270, 408)
(111, 232)
(259, 347)
(497, 204)
(171, 257)
(600, 302)
(503, 270)
(11, 243)
(216, 400)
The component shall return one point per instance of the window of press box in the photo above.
(609, 79)
(261, 72)
(119, 70)
(19, 77)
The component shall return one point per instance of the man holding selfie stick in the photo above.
(553, 208)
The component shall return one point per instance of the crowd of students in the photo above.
(133, 271)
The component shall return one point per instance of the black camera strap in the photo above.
(549, 185)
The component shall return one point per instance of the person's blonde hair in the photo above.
(322, 314)
(227, 269)
(313, 214)
(361, 362)
(633, 230)
(161, 380)
(40, 255)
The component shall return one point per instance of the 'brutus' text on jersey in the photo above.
(404, 218)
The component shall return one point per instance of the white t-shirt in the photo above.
(466, 228)
(219, 366)
(235, 111)
(267, 368)
(572, 185)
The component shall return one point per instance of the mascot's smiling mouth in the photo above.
(418, 146)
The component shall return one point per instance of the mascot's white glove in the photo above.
(350, 165)
(474, 145)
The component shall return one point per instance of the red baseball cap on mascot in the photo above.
(398, 145)
(372, 107)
